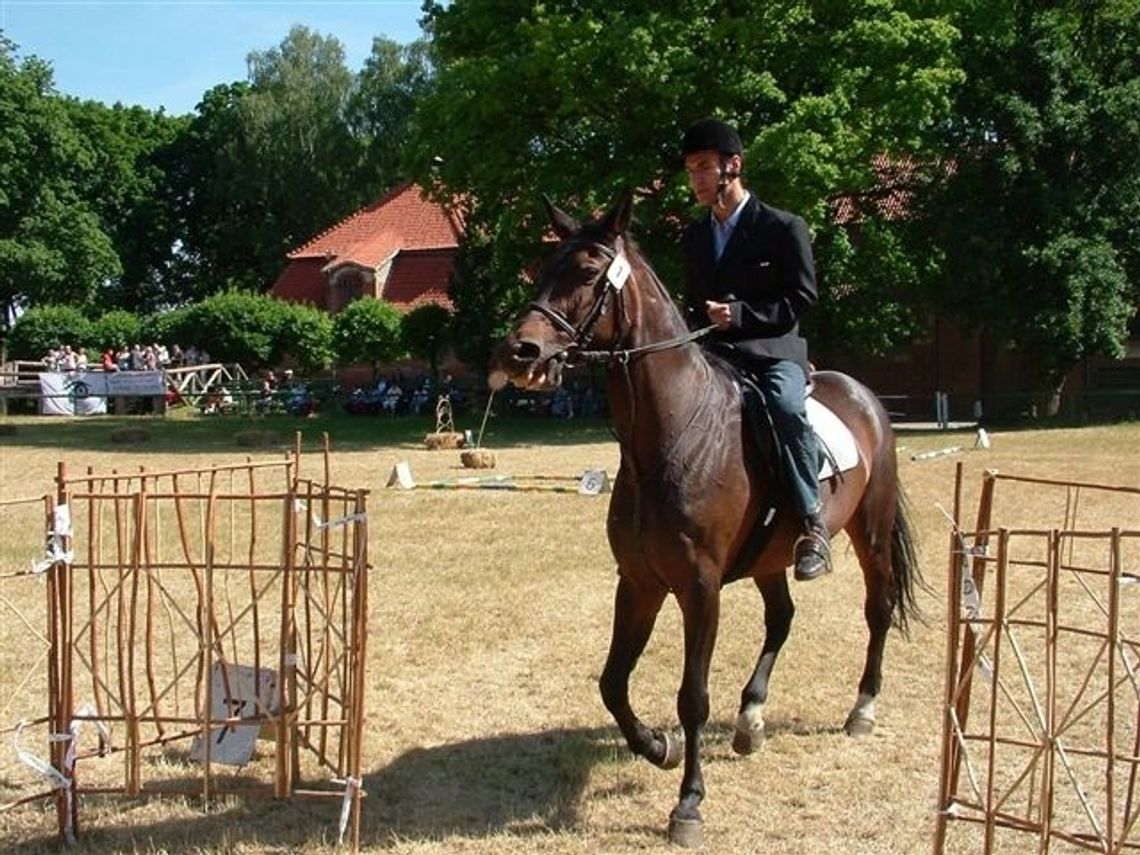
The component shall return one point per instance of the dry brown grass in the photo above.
(489, 618)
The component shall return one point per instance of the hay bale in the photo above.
(256, 439)
(130, 435)
(477, 458)
(443, 440)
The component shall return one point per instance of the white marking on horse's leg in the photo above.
(749, 729)
(861, 719)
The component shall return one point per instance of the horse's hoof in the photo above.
(859, 725)
(686, 833)
(744, 742)
(674, 752)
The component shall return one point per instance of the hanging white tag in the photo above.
(618, 271)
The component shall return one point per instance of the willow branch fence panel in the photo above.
(206, 634)
(1041, 716)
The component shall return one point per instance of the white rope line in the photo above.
(351, 788)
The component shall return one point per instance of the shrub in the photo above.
(115, 329)
(367, 331)
(42, 328)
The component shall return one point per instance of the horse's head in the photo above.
(576, 301)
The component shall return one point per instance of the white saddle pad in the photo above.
(834, 437)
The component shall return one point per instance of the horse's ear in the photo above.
(564, 225)
(617, 220)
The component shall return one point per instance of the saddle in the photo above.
(837, 454)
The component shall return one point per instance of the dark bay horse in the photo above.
(684, 502)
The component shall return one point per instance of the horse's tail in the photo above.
(904, 567)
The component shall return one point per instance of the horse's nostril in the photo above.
(526, 351)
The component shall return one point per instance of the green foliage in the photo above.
(237, 326)
(583, 100)
(425, 332)
(115, 329)
(873, 316)
(379, 111)
(367, 330)
(267, 164)
(124, 181)
(306, 335)
(175, 326)
(488, 290)
(52, 247)
(1037, 218)
(43, 327)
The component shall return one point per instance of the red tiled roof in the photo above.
(420, 277)
(402, 220)
(295, 283)
(419, 236)
(890, 197)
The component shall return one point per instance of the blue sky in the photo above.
(167, 53)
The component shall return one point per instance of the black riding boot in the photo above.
(813, 550)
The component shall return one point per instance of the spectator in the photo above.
(392, 398)
(108, 361)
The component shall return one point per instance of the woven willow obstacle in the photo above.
(206, 620)
(1041, 725)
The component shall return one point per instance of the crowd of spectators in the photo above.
(396, 395)
(137, 357)
(389, 395)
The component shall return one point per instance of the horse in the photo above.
(684, 505)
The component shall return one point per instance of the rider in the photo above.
(749, 271)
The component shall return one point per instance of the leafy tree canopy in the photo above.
(367, 331)
(52, 246)
(1037, 219)
(583, 99)
(42, 328)
(425, 332)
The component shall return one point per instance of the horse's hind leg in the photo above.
(635, 613)
(778, 613)
(872, 544)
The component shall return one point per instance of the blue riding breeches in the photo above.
(784, 387)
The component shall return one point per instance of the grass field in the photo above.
(489, 622)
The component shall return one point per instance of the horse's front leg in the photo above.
(635, 612)
(778, 613)
(700, 606)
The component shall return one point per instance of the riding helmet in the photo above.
(711, 135)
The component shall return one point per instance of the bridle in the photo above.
(581, 335)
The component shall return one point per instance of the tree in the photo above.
(52, 247)
(425, 332)
(124, 182)
(116, 328)
(236, 326)
(42, 328)
(488, 289)
(379, 112)
(582, 100)
(267, 163)
(305, 335)
(1037, 219)
(367, 330)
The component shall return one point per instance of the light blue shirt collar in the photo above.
(723, 231)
